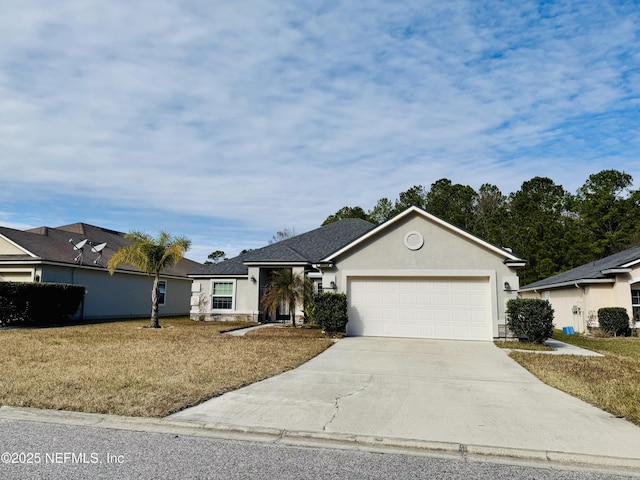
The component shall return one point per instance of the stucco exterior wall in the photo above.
(563, 302)
(589, 299)
(444, 253)
(121, 295)
(245, 299)
(7, 248)
(246, 296)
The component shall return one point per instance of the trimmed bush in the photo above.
(614, 321)
(530, 317)
(38, 304)
(330, 311)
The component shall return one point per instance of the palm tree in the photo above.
(285, 287)
(151, 255)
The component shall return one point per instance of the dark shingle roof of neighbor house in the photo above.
(54, 245)
(589, 272)
(310, 247)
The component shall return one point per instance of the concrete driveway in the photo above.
(430, 390)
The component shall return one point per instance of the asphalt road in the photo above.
(34, 450)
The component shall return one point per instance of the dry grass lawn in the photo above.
(122, 368)
(611, 383)
(516, 345)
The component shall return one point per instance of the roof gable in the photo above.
(11, 246)
(507, 255)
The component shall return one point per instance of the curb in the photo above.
(541, 458)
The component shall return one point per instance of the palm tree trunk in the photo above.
(154, 302)
(292, 311)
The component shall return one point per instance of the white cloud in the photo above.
(267, 115)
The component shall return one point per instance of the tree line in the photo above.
(553, 229)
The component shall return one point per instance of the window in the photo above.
(222, 296)
(635, 304)
(162, 292)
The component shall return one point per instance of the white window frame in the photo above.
(233, 296)
(160, 292)
(635, 303)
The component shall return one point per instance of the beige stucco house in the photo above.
(412, 276)
(577, 295)
(77, 254)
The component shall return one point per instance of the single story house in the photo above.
(412, 276)
(78, 254)
(576, 295)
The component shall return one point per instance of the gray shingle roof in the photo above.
(52, 245)
(589, 271)
(310, 247)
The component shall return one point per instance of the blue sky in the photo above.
(226, 121)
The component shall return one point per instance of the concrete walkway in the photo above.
(463, 393)
(242, 331)
(562, 348)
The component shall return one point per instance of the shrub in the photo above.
(614, 320)
(330, 311)
(531, 317)
(38, 303)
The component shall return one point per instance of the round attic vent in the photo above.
(413, 240)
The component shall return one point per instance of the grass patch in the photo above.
(523, 345)
(611, 383)
(123, 368)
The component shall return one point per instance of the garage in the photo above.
(439, 308)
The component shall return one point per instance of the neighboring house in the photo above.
(577, 294)
(413, 276)
(78, 254)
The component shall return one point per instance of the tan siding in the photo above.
(7, 248)
(16, 276)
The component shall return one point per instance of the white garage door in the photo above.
(420, 308)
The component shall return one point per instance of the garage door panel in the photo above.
(424, 308)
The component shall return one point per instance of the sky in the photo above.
(227, 121)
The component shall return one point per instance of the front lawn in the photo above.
(611, 383)
(124, 369)
(516, 345)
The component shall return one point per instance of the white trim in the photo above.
(433, 219)
(630, 264)
(19, 246)
(166, 285)
(203, 276)
(617, 270)
(295, 263)
(413, 235)
(233, 295)
(30, 271)
(489, 275)
(574, 283)
(85, 267)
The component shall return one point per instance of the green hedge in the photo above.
(530, 317)
(330, 311)
(38, 304)
(614, 321)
